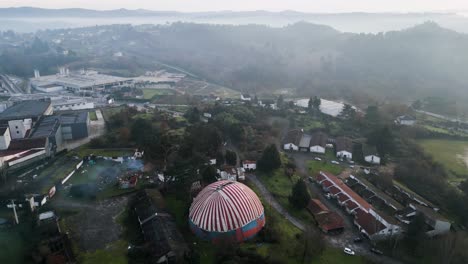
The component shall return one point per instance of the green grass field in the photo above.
(336, 256)
(150, 93)
(85, 151)
(115, 253)
(93, 116)
(450, 153)
(317, 166)
(281, 186)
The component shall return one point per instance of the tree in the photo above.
(348, 112)
(255, 100)
(314, 245)
(124, 135)
(231, 157)
(383, 139)
(193, 115)
(209, 175)
(316, 103)
(300, 197)
(372, 115)
(310, 104)
(140, 130)
(280, 101)
(416, 231)
(270, 159)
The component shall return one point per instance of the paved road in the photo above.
(273, 203)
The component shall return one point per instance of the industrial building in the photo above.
(28, 109)
(84, 81)
(226, 211)
(30, 131)
(74, 124)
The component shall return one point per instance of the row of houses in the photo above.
(361, 199)
(370, 221)
(318, 142)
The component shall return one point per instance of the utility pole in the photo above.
(14, 211)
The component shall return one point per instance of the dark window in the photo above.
(16, 127)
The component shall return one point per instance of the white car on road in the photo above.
(349, 251)
(335, 162)
(317, 158)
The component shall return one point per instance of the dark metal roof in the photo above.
(293, 136)
(27, 143)
(25, 109)
(344, 143)
(45, 128)
(319, 139)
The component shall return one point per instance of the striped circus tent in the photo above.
(226, 211)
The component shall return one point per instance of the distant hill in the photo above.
(345, 22)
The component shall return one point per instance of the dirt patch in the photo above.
(464, 157)
(96, 226)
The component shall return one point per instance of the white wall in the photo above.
(372, 159)
(440, 227)
(343, 153)
(5, 140)
(50, 89)
(290, 146)
(317, 149)
(407, 122)
(17, 129)
(23, 159)
(74, 106)
(250, 166)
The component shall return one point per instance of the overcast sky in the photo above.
(243, 5)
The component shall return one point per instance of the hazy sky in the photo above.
(272, 5)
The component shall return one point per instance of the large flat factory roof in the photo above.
(25, 109)
(78, 80)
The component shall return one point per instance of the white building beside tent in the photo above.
(249, 165)
(372, 159)
(292, 140)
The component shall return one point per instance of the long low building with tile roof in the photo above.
(371, 222)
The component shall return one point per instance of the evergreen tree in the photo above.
(270, 159)
(300, 197)
(231, 157)
(209, 175)
(310, 104)
(280, 101)
(316, 103)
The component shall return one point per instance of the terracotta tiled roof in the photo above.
(316, 207)
(333, 190)
(330, 221)
(351, 205)
(342, 197)
(327, 184)
(348, 191)
(368, 222)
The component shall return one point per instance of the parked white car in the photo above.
(349, 251)
(335, 162)
(317, 158)
(328, 196)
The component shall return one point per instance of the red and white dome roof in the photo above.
(225, 205)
